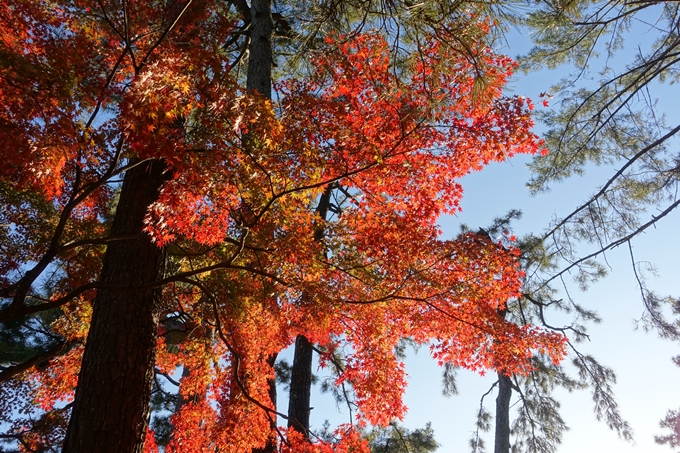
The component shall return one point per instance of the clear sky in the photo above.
(648, 382)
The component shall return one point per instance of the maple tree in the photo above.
(213, 225)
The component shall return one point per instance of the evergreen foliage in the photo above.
(605, 113)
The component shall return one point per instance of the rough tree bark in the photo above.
(502, 434)
(300, 386)
(260, 58)
(502, 438)
(111, 407)
(259, 79)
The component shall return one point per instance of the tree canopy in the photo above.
(160, 209)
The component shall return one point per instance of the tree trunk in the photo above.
(111, 407)
(260, 58)
(300, 386)
(299, 404)
(502, 439)
(259, 79)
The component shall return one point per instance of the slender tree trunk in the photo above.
(502, 439)
(111, 407)
(299, 404)
(301, 386)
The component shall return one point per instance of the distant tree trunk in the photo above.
(111, 407)
(502, 439)
(299, 404)
(301, 386)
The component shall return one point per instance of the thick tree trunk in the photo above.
(502, 439)
(259, 79)
(260, 58)
(301, 386)
(111, 408)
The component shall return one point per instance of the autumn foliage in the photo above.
(90, 89)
